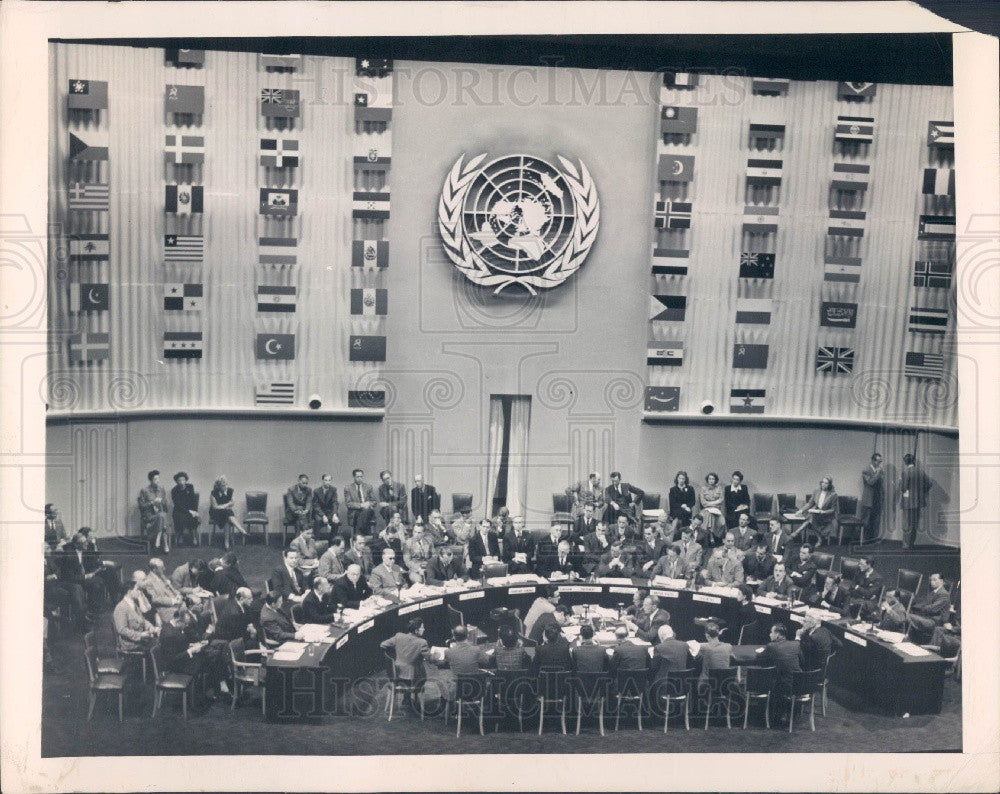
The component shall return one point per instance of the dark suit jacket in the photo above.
(915, 483)
(325, 503)
(538, 628)
(867, 588)
(225, 581)
(174, 643)
(423, 502)
(276, 624)
(644, 554)
(349, 594)
(281, 582)
(71, 569)
(549, 563)
(813, 596)
(593, 545)
(512, 545)
(678, 497)
(552, 655)
(477, 550)
(591, 658)
(649, 625)
(756, 568)
(395, 494)
(783, 654)
(582, 528)
(315, 610)
(670, 656)
(298, 498)
(802, 573)
(871, 493)
(769, 585)
(629, 494)
(231, 621)
(56, 533)
(782, 551)
(629, 656)
(815, 647)
(732, 500)
(437, 572)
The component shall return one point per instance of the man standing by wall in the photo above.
(871, 497)
(913, 487)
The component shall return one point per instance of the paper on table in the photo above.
(694, 646)
(913, 650)
(637, 641)
(292, 646)
(891, 636)
(286, 656)
(614, 580)
(791, 515)
(666, 581)
(604, 636)
(437, 651)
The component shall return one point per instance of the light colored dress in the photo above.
(712, 510)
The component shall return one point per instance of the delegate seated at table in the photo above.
(778, 583)
(318, 606)
(648, 619)
(725, 566)
(626, 655)
(275, 623)
(615, 563)
(588, 655)
(553, 652)
(351, 588)
(669, 654)
(714, 654)
(409, 649)
(444, 567)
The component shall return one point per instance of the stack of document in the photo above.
(315, 632)
(289, 652)
(913, 650)
(666, 581)
(614, 580)
(890, 636)
(730, 592)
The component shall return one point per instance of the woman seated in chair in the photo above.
(712, 509)
(185, 512)
(821, 513)
(153, 512)
(681, 500)
(221, 512)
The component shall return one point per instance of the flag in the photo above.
(667, 308)
(936, 227)
(939, 181)
(753, 311)
(846, 223)
(185, 199)
(281, 61)
(845, 269)
(367, 398)
(372, 67)
(838, 315)
(850, 176)
(855, 128)
(183, 297)
(835, 360)
(663, 398)
(767, 132)
(182, 344)
(855, 90)
(749, 356)
(669, 261)
(94, 148)
(370, 301)
(769, 86)
(941, 133)
(746, 401)
(672, 214)
(88, 297)
(179, 57)
(275, 393)
(184, 149)
(279, 103)
(928, 321)
(367, 348)
(275, 298)
(760, 220)
(924, 365)
(680, 79)
(88, 95)
(370, 253)
(676, 167)
(763, 172)
(373, 104)
(279, 203)
(665, 354)
(277, 250)
(931, 273)
(183, 249)
(89, 347)
(279, 152)
(371, 205)
(90, 247)
(678, 121)
(185, 99)
(89, 196)
(373, 152)
(275, 346)
(756, 265)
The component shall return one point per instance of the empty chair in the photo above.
(246, 674)
(401, 686)
(749, 633)
(495, 569)
(758, 686)
(514, 691)
(786, 503)
(471, 691)
(113, 683)
(805, 685)
(847, 509)
(590, 689)
(676, 687)
(849, 568)
(106, 660)
(763, 507)
(826, 677)
(909, 581)
(295, 613)
(721, 688)
(651, 507)
(460, 502)
(455, 617)
(169, 682)
(553, 690)
(824, 562)
(561, 508)
(630, 687)
(256, 514)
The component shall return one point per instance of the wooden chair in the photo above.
(847, 510)
(651, 507)
(461, 501)
(805, 685)
(112, 663)
(470, 691)
(495, 569)
(256, 514)
(721, 684)
(758, 686)
(850, 568)
(630, 687)
(677, 687)
(140, 654)
(400, 686)
(169, 683)
(553, 690)
(246, 675)
(513, 690)
(562, 508)
(112, 683)
(824, 562)
(908, 580)
(763, 507)
(591, 688)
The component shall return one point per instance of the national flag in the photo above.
(838, 315)
(931, 273)
(275, 393)
(663, 398)
(680, 79)
(280, 61)
(371, 205)
(88, 297)
(372, 67)
(939, 181)
(89, 196)
(676, 167)
(850, 176)
(89, 346)
(746, 401)
(941, 133)
(763, 172)
(846, 223)
(277, 250)
(183, 249)
(670, 261)
(367, 348)
(665, 354)
(183, 344)
(928, 321)
(855, 128)
(94, 148)
(275, 346)
(855, 90)
(90, 247)
(768, 132)
(769, 86)
(755, 264)
(366, 398)
(760, 220)
(279, 152)
(185, 199)
(274, 298)
(753, 311)
(279, 103)
(373, 104)
(180, 57)
(936, 227)
(845, 269)
(924, 365)
(370, 302)
(835, 360)
(676, 120)
(373, 152)
(667, 308)
(671, 214)
(370, 253)
(183, 297)
(184, 99)
(749, 356)
(179, 149)
(279, 202)
(88, 95)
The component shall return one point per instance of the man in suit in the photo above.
(229, 577)
(546, 602)
(891, 614)
(387, 578)
(777, 539)
(564, 561)
(558, 617)
(509, 653)
(585, 523)
(648, 553)
(736, 500)
(299, 504)
(914, 485)
(351, 588)
(778, 584)
(670, 655)
(588, 656)
(275, 622)
(760, 564)
(436, 529)
(463, 527)
(418, 550)
(160, 591)
(391, 496)
(803, 570)
(553, 653)
(930, 610)
(627, 656)
(648, 619)
(318, 606)
(872, 494)
(331, 563)
(409, 649)
(326, 510)
(831, 596)
(360, 500)
(288, 580)
(234, 617)
(79, 571)
(482, 544)
(670, 565)
(783, 654)
(133, 630)
(867, 587)
(690, 551)
(744, 536)
(622, 498)
(816, 643)
(519, 547)
(598, 543)
(587, 492)
(444, 567)
(615, 563)
(423, 498)
(56, 534)
(360, 554)
(184, 651)
(725, 566)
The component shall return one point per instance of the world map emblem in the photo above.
(518, 220)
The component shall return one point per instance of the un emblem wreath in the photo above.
(518, 220)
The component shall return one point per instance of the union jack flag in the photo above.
(836, 360)
(271, 96)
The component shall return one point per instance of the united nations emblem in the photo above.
(518, 220)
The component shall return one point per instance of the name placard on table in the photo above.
(365, 626)
(707, 599)
(762, 609)
(434, 602)
(520, 590)
(580, 588)
(341, 642)
(473, 594)
(408, 609)
(629, 590)
(855, 639)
